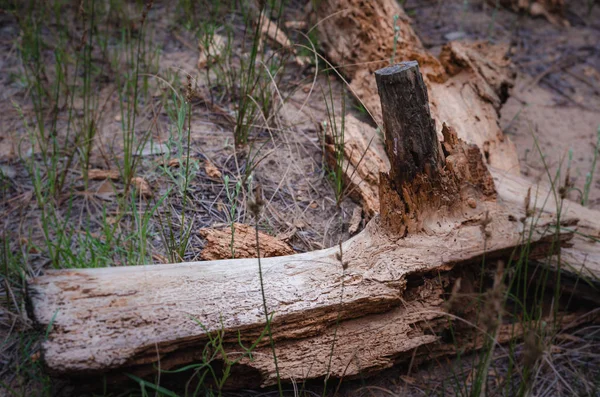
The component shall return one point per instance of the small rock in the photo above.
(7, 171)
(152, 149)
(454, 36)
(106, 191)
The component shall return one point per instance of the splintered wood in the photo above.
(381, 297)
(467, 84)
(327, 305)
(364, 158)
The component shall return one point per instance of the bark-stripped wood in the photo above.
(127, 318)
(382, 297)
(364, 158)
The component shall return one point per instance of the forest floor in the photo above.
(163, 135)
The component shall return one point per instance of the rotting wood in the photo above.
(110, 320)
(126, 318)
(467, 84)
(581, 261)
(426, 181)
(411, 142)
(219, 241)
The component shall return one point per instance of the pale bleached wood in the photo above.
(583, 258)
(126, 318)
(364, 158)
(383, 298)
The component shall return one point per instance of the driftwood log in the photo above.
(377, 300)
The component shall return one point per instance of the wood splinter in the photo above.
(383, 305)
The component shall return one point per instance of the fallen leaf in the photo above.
(287, 235)
(211, 170)
(106, 191)
(300, 224)
(408, 379)
(96, 174)
(160, 258)
(9, 144)
(174, 162)
(270, 30)
(314, 205)
(35, 357)
(30, 248)
(142, 186)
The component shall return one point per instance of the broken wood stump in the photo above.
(427, 181)
(377, 300)
(467, 84)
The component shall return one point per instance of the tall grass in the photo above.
(589, 178)
(77, 61)
(518, 296)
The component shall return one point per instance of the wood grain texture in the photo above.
(364, 158)
(127, 318)
(219, 241)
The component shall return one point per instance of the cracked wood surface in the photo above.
(118, 318)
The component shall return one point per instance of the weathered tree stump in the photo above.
(411, 141)
(340, 314)
(426, 182)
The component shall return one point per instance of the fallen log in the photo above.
(376, 300)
